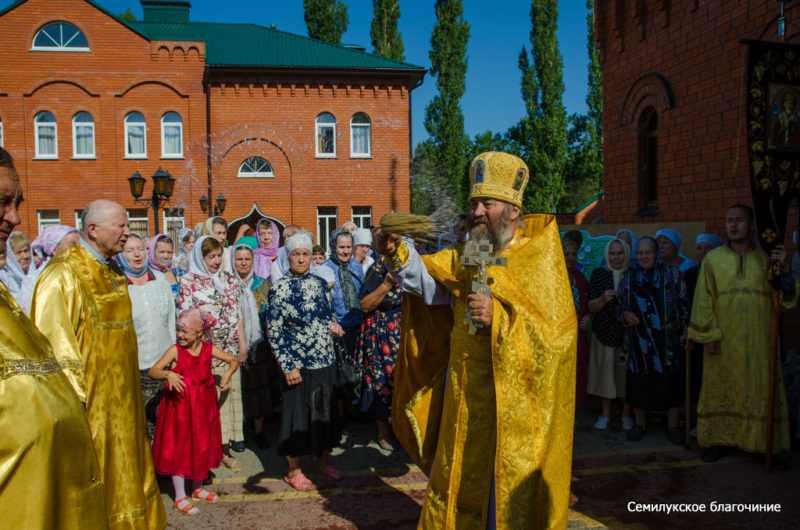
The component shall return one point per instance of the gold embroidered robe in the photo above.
(733, 305)
(82, 306)
(507, 404)
(49, 475)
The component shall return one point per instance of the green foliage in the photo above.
(542, 134)
(386, 38)
(580, 173)
(430, 191)
(594, 100)
(326, 20)
(127, 16)
(444, 119)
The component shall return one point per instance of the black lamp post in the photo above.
(219, 205)
(163, 185)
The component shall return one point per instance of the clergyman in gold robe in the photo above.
(489, 416)
(81, 304)
(49, 475)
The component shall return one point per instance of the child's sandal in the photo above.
(209, 496)
(185, 507)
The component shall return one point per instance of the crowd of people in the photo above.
(158, 354)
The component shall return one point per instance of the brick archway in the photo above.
(650, 90)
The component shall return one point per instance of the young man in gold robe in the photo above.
(731, 315)
(489, 415)
(49, 475)
(81, 304)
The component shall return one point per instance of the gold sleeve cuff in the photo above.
(400, 258)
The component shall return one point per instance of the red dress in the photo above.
(188, 439)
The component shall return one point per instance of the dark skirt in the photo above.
(152, 390)
(261, 380)
(310, 422)
(654, 391)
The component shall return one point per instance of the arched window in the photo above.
(255, 166)
(360, 136)
(83, 135)
(45, 135)
(648, 162)
(135, 136)
(326, 135)
(60, 37)
(171, 135)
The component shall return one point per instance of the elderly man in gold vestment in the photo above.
(488, 414)
(81, 304)
(49, 476)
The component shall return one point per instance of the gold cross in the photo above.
(479, 253)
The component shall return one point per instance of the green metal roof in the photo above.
(253, 45)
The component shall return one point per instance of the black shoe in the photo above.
(237, 446)
(676, 436)
(261, 440)
(636, 434)
(712, 454)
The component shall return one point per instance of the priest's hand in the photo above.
(481, 308)
(630, 318)
(294, 377)
(385, 244)
(779, 254)
(712, 348)
(175, 381)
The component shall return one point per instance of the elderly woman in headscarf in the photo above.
(669, 245)
(580, 296)
(628, 237)
(50, 242)
(362, 244)
(153, 307)
(18, 262)
(301, 322)
(206, 286)
(260, 374)
(606, 373)
(654, 308)
(268, 238)
(180, 264)
(159, 258)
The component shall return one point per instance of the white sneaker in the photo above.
(627, 423)
(601, 423)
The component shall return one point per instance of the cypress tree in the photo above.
(326, 19)
(444, 119)
(594, 100)
(543, 132)
(386, 38)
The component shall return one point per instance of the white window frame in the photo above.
(36, 127)
(2, 137)
(318, 127)
(75, 125)
(368, 127)
(331, 222)
(361, 220)
(43, 222)
(78, 215)
(164, 125)
(59, 45)
(136, 219)
(127, 125)
(255, 174)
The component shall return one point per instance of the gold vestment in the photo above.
(507, 404)
(49, 475)
(82, 305)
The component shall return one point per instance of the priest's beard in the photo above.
(499, 234)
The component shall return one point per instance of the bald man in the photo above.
(81, 304)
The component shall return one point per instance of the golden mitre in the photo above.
(500, 176)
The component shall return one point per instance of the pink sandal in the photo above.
(299, 482)
(331, 473)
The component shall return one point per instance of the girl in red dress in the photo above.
(188, 438)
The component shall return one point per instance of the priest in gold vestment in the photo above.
(81, 304)
(489, 416)
(49, 475)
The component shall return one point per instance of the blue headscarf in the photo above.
(713, 239)
(125, 266)
(672, 235)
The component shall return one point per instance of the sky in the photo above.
(492, 100)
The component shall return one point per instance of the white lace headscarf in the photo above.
(247, 301)
(198, 266)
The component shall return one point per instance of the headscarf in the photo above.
(151, 254)
(47, 241)
(672, 235)
(13, 272)
(713, 239)
(633, 239)
(653, 274)
(198, 320)
(345, 279)
(181, 258)
(265, 256)
(197, 265)
(247, 302)
(301, 239)
(617, 274)
(208, 227)
(126, 267)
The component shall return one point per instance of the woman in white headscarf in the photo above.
(186, 239)
(50, 242)
(18, 262)
(606, 374)
(207, 287)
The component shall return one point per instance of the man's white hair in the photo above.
(97, 212)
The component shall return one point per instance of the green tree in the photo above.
(386, 38)
(444, 119)
(594, 100)
(326, 19)
(543, 132)
(127, 16)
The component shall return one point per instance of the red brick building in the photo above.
(303, 131)
(673, 94)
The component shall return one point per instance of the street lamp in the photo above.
(163, 185)
(219, 205)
